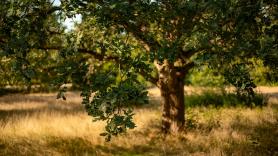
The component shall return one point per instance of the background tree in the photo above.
(25, 27)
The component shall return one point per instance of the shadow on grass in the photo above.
(146, 141)
(72, 110)
(262, 140)
(19, 106)
(32, 98)
(6, 91)
(19, 113)
(79, 146)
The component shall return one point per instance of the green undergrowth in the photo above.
(223, 99)
(5, 91)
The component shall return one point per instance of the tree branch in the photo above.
(189, 66)
(189, 53)
(53, 9)
(185, 69)
(150, 43)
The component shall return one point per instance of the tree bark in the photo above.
(171, 85)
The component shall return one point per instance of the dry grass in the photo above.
(38, 124)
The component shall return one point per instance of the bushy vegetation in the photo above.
(224, 99)
(205, 76)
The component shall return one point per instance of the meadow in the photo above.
(38, 124)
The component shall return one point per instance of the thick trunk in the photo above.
(171, 84)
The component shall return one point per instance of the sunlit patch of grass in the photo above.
(38, 124)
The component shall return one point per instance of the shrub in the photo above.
(225, 99)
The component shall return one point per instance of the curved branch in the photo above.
(149, 42)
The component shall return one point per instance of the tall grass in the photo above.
(224, 99)
(38, 124)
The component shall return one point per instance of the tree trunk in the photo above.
(171, 84)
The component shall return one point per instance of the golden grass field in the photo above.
(38, 124)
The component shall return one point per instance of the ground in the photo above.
(38, 124)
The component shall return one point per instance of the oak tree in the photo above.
(160, 40)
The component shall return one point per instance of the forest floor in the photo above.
(38, 124)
